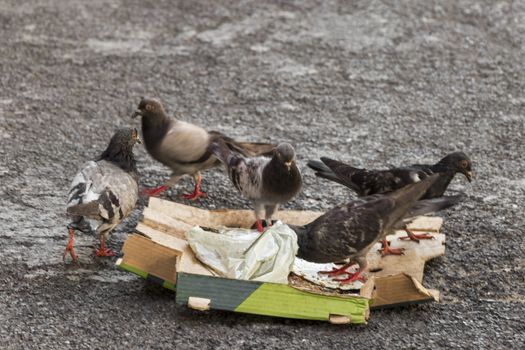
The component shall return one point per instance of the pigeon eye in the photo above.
(149, 107)
(463, 163)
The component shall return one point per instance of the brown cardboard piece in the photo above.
(161, 254)
(161, 250)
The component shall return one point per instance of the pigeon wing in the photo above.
(102, 191)
(246, 175)
(184, 143)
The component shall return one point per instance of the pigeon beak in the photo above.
(469, 175)
(136, 113)
(138, 140)
(288, 165)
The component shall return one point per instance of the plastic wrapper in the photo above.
(246, 254)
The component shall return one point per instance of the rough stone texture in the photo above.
(375, 83)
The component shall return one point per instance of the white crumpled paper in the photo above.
(247, 254)
(310, 272)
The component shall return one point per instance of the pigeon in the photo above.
(184, 147)
(267, 181)
(104, 191)
(349, 231)
(369, 182)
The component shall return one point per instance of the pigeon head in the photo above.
(120, 149)
(150, 108)
(124, 139)
(460, 162)
(285, 153)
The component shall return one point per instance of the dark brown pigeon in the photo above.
(184, 147)
(368, 182)
(267, 181)
(104, 191)
(349, 231)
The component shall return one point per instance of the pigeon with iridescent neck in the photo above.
(267, 181)
(184, 147)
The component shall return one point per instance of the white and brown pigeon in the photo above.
(266, 181)
(104, 191)
(184, 147)
(368, 182)
(349, 231)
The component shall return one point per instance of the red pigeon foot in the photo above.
(69, 247)
(386, 250)
(152, 192)
(196, 190)
(351, 278)
(102, 251)
(338, 271)
(416, 237)
(259, 226)
(195, 195)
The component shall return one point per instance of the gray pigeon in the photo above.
(368, 182)
(104, 191)
(349, 231)
(267, 181)
(184, 147)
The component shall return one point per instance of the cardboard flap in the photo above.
(186, 260)
(397, 290)
(153, 258)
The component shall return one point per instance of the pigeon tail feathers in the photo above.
(247, 149)
(323, 171)
(221, 151)
(405, 198)
(430, 206)
(253, 149)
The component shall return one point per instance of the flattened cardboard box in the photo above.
(158, 252)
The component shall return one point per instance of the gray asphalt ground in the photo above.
(375, 83)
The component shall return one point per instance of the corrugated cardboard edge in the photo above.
(145, 255)
(151, 278)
